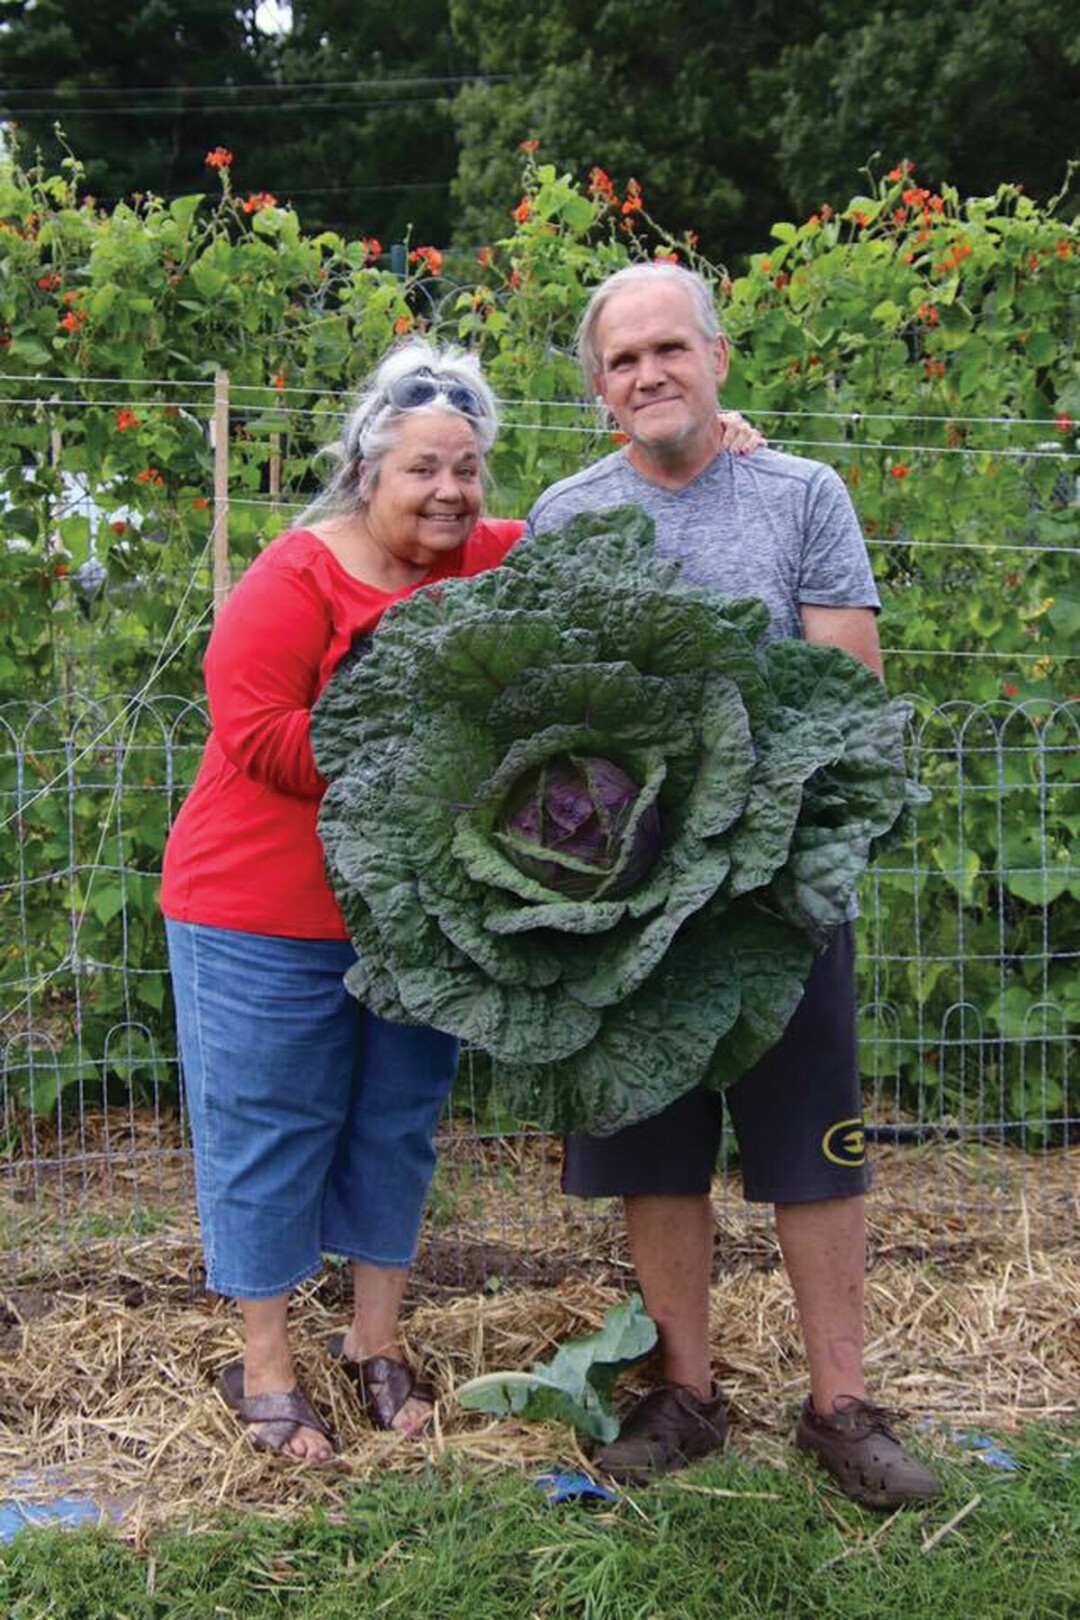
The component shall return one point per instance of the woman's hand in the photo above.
(737, 435)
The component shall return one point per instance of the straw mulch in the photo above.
(108, 1358)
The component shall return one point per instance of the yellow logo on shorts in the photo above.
(845, 1143)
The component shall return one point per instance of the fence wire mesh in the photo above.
(969, 999)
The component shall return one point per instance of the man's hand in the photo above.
(854, 630)
(737, 435)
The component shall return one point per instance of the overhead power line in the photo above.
(165, 111)
(56, 92)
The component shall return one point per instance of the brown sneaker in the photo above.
(668, 1428)
(863, 1455)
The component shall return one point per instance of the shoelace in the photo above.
(876, 1417)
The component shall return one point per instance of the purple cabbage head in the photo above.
(567, 823)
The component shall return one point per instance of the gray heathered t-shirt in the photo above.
(768, 525)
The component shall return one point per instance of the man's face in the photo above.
(658, 375)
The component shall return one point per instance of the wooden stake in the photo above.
(275, 472)
(221, 488)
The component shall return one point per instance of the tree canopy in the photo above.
(382, 117)
(971, 94)
(373, 151)
(665, 93)
(141, 92)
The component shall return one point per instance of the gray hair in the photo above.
(373, 425)
(695, 286)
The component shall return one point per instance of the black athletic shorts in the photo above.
(797, 1115)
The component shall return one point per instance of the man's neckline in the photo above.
(672, 489)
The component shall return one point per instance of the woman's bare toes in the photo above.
(308, 1445)
(413, 1418)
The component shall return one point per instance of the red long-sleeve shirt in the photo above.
(244, 851)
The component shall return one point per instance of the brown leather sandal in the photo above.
(384, 1385)
(274, 1418)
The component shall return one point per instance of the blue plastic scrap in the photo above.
(64, 1510)
(62, 1507)
(987, 1451)
(569, 1487)
(985, 1447)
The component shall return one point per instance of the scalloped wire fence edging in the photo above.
(968, 1000)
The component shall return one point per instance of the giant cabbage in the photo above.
(585, 816)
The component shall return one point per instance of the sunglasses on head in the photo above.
(420, 388)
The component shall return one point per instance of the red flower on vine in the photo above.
(149, 475)
(372, 249)
(634, 201)
(900, 471)
(126, 420)
(522, 212)
(258, 201)
(429, 256)
(219, 158)
(529, 146)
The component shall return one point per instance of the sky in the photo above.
(273, 16)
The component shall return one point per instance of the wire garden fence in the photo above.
(969, 995)
(969, 941)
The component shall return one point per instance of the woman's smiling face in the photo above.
(428, 493)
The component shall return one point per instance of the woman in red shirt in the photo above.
(313, 1120)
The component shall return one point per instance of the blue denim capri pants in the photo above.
(311, 1119)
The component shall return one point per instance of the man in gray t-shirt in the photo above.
(778, 527)
(783, 529)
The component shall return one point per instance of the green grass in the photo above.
(452, 1545)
